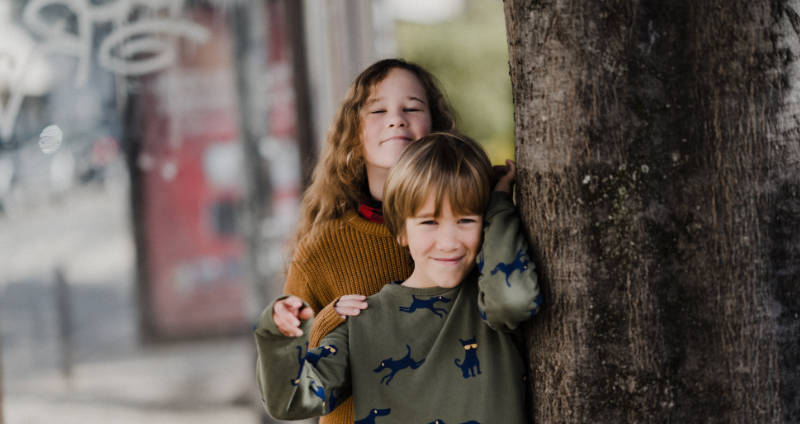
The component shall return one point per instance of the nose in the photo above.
(397, 119)
(447, 239)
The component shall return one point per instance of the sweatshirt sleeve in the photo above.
(508, 286)
(295, 382)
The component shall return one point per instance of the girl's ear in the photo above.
(402, 239)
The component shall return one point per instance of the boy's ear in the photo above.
(402, 239)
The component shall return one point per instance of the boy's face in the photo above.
(444, 247)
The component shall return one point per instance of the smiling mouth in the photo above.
(449, 261)
(397, 138)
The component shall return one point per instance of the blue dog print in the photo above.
(301, 360)
(538, 302)
(324, 351)
(519, 264)
(400, 364)
(333, 401)
(318, 390)
(311, 357)
(426, 304)
(370, 419)
(471, 363)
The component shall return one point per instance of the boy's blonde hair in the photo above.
(442, 163)
(339, 181)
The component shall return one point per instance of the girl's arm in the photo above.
(334, 315)
(508, 285)
(298, 283)
(326, 321)
(296, 382)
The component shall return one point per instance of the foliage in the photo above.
(469, 55)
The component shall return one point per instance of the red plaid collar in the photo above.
(371, 210)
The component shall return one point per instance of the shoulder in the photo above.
(319, 238)
(342, 232)
(358, 224)
(379, 304)
(385, 297)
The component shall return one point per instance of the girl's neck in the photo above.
(375, 179)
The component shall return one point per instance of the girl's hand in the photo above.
(288, 313)
(350, 305)
(505, 176)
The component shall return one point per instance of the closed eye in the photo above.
(378, 111)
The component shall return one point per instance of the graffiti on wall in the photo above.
(142, 40)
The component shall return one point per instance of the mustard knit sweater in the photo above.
(349, 255)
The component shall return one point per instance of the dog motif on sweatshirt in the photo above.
(397, 365)
(519, 264)
(311, 357)
(370, 419)
(417, 303)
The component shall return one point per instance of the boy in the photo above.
(435, 347)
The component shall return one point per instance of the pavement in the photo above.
(104, 375)
(189, 382)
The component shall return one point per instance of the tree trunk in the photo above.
(659, 180)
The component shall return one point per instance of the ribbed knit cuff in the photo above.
(343, 414)
(326, 320)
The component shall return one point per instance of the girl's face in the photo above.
(395, 114)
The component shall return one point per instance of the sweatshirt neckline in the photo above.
(398, 288)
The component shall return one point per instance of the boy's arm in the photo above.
(508, 285)
(296, 383)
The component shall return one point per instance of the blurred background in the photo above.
(152, 155)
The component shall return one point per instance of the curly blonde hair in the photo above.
(339, 180)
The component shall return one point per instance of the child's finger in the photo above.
(511, 169)
(306, 314)
(293, 303)
(288, 330)
(348, 312)
(506, 179)
(352, 300)
(285, 314)
(350, 305)
(287, 324)
(498, 172)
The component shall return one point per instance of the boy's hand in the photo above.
(288, 313)
(505, 176)
(350, 305)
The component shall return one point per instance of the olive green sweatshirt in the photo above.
(417, 355)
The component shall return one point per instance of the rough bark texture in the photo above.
(658, 145)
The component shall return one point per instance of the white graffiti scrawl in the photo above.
(142, 40)
(143, 37)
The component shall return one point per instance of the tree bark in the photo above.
(658, 146)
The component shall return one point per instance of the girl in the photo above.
(344, 252)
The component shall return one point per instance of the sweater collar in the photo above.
(371, 210)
